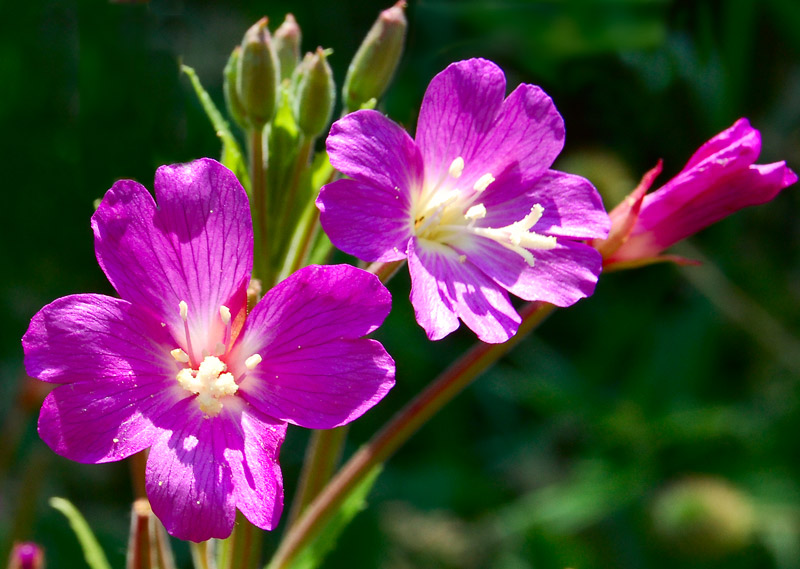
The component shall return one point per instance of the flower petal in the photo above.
(188, 479)
(315, 369)
(257, 479)
(196, 247)
(560, 276)
(370, 148)
(457, 112)
(94, 422)
(322, 386)
(92, 337)
(478, 301)
(754, 186)
(528, 135)
(370, 222)
(313, 306)
(741, 141)
(572, 207)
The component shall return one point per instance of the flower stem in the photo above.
(258, 179)
(322, 455)
(398, 430)
(385, 271)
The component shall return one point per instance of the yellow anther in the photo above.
(225, 314)
(184, 310)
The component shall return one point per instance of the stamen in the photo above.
(184, 309)
(456, 167)
(180, 356)
(252, 361)
(483, 182)
(476, 212)
(219, 349)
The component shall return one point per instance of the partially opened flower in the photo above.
(471, 202)
(177, 364)
(719, 179)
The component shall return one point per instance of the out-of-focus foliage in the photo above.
(562, 456)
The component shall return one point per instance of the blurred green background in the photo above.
(653, 425)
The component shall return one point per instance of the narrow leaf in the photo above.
(95, 558)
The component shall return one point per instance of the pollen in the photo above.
(210, 382)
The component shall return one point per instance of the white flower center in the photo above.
(447, 214)
(210, 381)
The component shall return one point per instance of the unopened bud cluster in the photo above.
(266, 67)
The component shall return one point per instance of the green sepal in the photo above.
(231, 157)
(92, 552)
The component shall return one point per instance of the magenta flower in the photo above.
(177, 364)
(719, 179)
(470, 202)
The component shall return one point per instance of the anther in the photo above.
(483, 182)
(252, 361)
(180, 356)
(225, 314)
(184, 308)
(456, 167)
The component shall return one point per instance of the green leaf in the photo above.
(315, 551)
(95, 558)
(232, 156)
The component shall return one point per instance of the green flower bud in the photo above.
(314, 94)
(377, 58)
(235, 109)
(287, 45)
(703, 517)
(257, 75)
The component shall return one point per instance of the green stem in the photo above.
(322, 455)
(397, 431)
(385, 271)
(309, 234)
(242, 550)
(258, 179)
(202, 554)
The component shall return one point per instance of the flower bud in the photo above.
(376, 60)
(705, 517)
(314, 95)
(258, 75)
(232, 101)
(287, 45)
(26, 555)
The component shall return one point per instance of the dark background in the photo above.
(570, 453)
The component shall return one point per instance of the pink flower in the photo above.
(179, 366)
(471, 202)
(719, 179)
